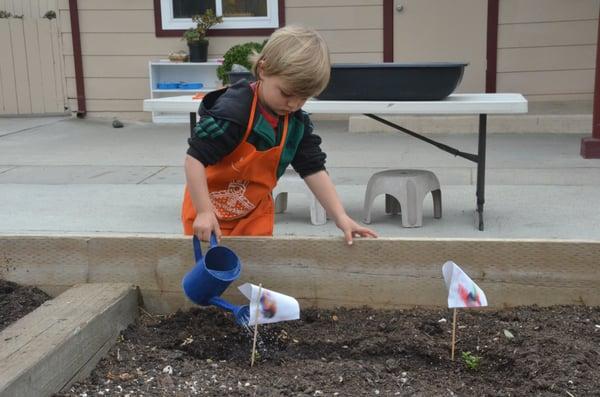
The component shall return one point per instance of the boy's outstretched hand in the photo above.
(352, 229)
(206, 223)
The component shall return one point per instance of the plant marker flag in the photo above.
(462, 292)
(268, 306)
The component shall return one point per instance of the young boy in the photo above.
(247, 136)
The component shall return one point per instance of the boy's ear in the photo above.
(259, 68)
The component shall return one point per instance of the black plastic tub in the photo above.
(393, 81)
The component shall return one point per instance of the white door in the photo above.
(442, 30)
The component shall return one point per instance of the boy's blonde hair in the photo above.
(297, 55)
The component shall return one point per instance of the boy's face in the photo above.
(277, 98)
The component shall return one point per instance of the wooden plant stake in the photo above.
(256, 326)
(453, 333)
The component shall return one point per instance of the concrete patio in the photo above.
(70, 176)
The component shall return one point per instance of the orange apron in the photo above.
(240, 187)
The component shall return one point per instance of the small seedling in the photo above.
(471, 361)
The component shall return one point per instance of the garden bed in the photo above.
(16, 301)
(522, 351)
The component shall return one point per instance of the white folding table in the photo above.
(473, 104)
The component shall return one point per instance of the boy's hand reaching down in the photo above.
(206, 223)
(352, 229)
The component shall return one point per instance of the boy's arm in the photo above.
(206, 221)
(324, 190)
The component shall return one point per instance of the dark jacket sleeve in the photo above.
(309, 157)
(214, 139)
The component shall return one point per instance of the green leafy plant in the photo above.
(203, 23)
(238, 54)
(471, 361)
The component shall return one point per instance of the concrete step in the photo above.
(527, 123)
(62, 341)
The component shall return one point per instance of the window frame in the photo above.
(176, 30)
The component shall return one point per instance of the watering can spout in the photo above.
(241, 313)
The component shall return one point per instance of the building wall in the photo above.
(547, 48)
(118, 40)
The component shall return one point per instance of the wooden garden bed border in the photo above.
(320, 272)
(61, 341)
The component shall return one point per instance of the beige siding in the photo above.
(111, 66)
(353, 30)
(113, 21)
(116, 54)
(547, 48)
(547, 58)
(527, 11)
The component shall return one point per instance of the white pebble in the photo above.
(403, 380)
(403, 374)
(168, 370)
(376, 391)
(442, 320)
(246, 384)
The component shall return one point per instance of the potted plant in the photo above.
(238, 54)
(196, 37)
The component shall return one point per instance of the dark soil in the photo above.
(545, 351)
(16, 301)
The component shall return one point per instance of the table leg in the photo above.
(192, 123)
(481, 167)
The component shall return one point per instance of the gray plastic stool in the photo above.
(404, 190)
(291, 182)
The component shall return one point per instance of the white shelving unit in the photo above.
(189, 72)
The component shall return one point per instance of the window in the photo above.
(176, 15)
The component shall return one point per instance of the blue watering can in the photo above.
(211, 276)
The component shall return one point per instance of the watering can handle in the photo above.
(198, 248)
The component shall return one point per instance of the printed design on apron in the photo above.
(232, 202)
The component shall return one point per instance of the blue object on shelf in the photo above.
(191, 86)
(167, 85)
